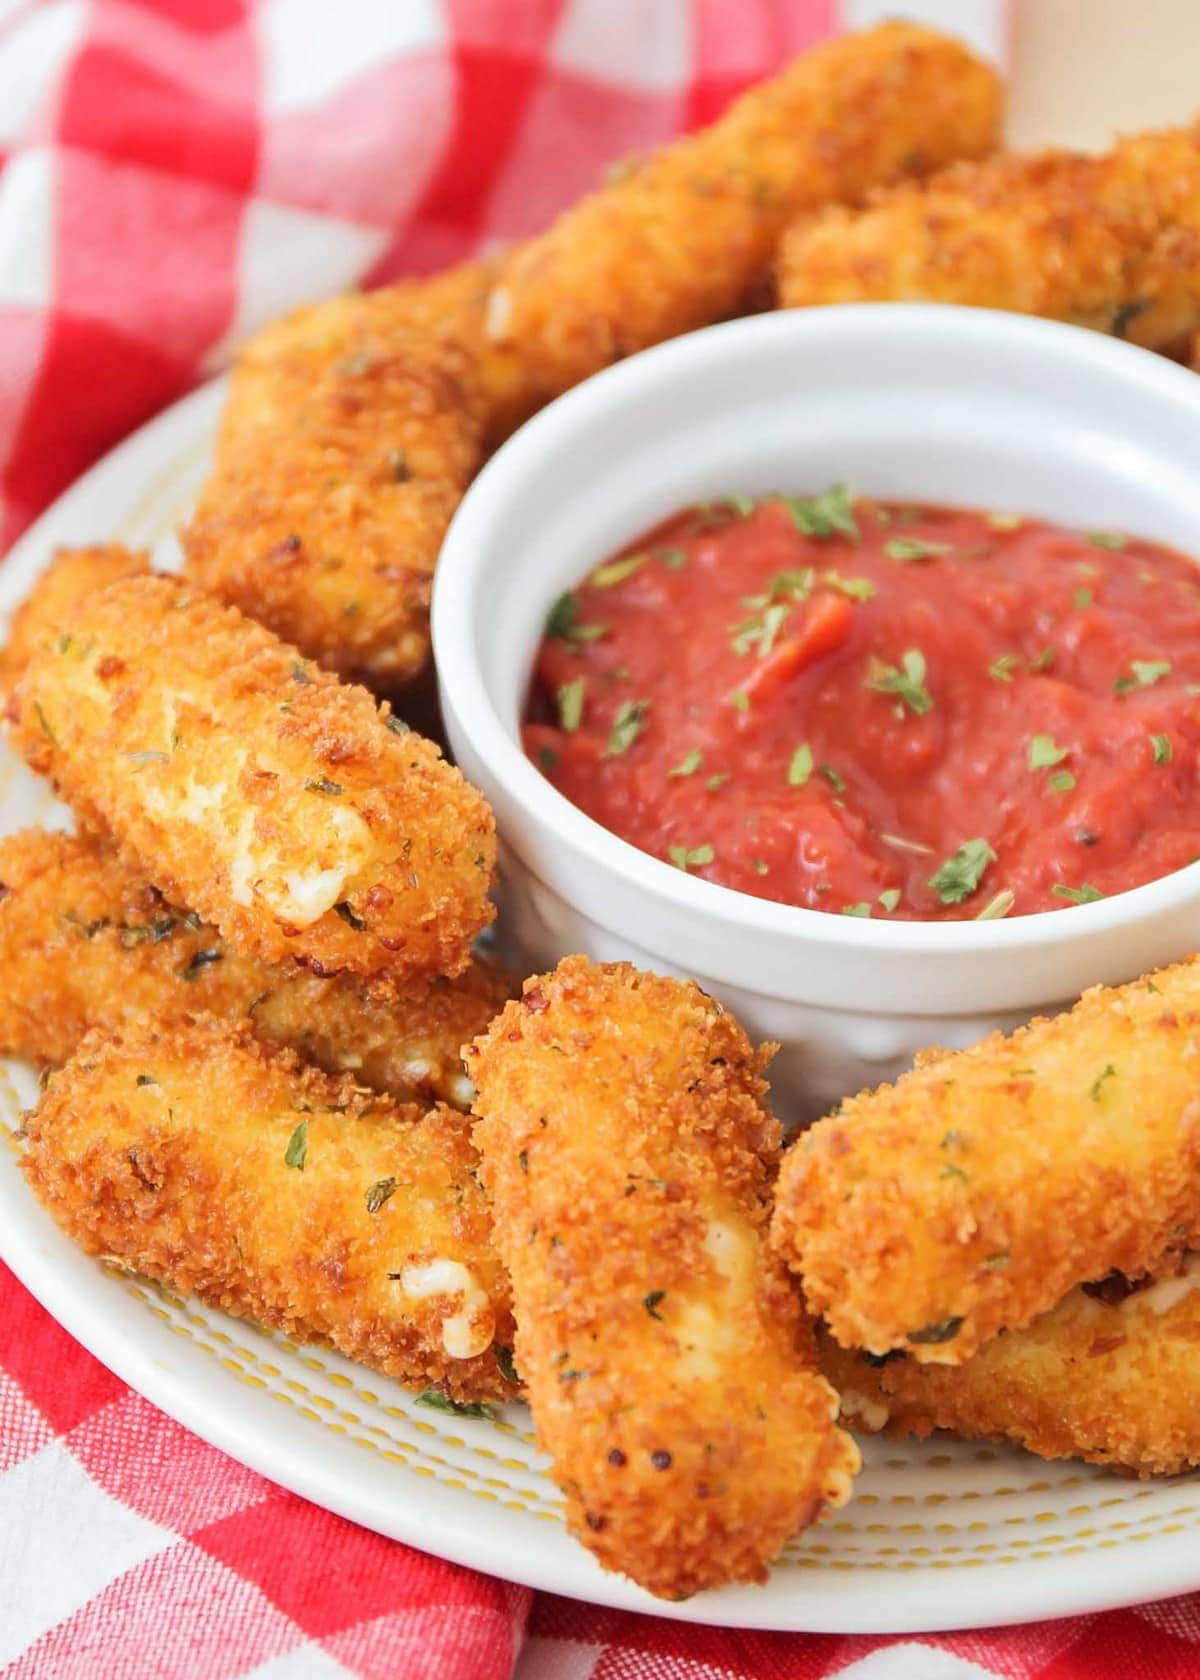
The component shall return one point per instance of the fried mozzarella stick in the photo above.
(1110, 1377)
(189, 1153)
(346, 442)
(286, 808)
(1107, 242)
(86, 942)
(975, 1192)
(680, 239)
(71, 577)
(628, 1152)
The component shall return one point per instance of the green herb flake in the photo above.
(863, 909)
(740, 700)
(743, 506)
(828, 515)
(760, 868)
(890, 898)
(507, 1365)
(300, 674)
(296, 1152)
(674, 559)
(547, 758)
(1044, 660)
(1162, 748)
(201, 960)
(1146, 672)
(570, 704)
(854, 588)
(1062, 781)
(801, 766)
(1001, 670)
(651, 1302)
(961, 873)
(694, 857)
(627, 726)
(912, 548)
(563, 622)
(1096, 1089)
(381, 1191)
(1112, 540)
(397, 725)
(715, 783)
(831, 776)
(688, 765)
(998, 1262)
(1044, 751)
(899, 844)
(616, 571)
(439, 1402)
(145, 1079)
(1086, 894)
(944, 1330)
(1084, 598)
(45, 727)
(906, 682)
(997, 907)
(322, 784)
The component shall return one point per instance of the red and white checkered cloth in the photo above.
(172, 174)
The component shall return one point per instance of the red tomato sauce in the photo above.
(877, 709)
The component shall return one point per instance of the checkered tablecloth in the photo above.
(172, 174)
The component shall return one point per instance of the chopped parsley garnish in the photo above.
(1044, 752)
(828, 515)
(912, 548)
(1097, 1085)
(1107, 539)
(1162, 748)
(296, 1152)
(907, 681)
(714, 783)
(1084, 598)
(863, 909)
(380, 1192)
(1043, 661)
(740, 700)
(349, 915)
(616, 571)
(890, 898)
(505, 1361)
(832, 777)
(760, 868)
(1062, 781)
(944, 1331)
(899, 844)
(784, 586)
(202, 959)
(1086, 894)
(694, 857)
(688, 765)
(397, 725)
(322, 784)
(563, 622)
(961, 873)
(439, 1402)
(801, 766)
(651, 1301)
(547, 758)
(762, 631)
(998, 906)
(145, 1079)
(854, 588)
(674, 559)
(570, 705)
(627, 726)
(1146, 672)
(743, 506)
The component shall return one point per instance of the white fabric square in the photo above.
(27, 189)
(62, 1540)
(914, 1661)
(306, 1662)
(32, 57)
(557, 1659)
(643, 44)
(312, 50)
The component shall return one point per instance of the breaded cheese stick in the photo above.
(680, 239)
(71, 577)
(281, 805)
(1109, 1377)
(975, 1192)
(1107, 242)
(628, 1152)
(187, 1152)
(87, 942)
(346, 442)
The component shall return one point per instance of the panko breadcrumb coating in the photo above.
(680, 239)
(1107, 242)
(1106, 1375)
(256, 789)
(346, 442)
(87, 942)
(190, 1154)
(628, 1152)
(71, 577)
(975, 1192)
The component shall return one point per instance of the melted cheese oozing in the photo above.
(469, 1331)
(859, 1407)
(1168, 1292)
(705, 1328)
(299, 897)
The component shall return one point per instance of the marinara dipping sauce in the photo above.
(882, 710)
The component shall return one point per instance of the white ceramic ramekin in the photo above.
(906, 401)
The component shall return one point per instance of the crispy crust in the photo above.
(72, 575)
(971, 1195)
(163, 1147)
(257, 789)
(1107, 242)
(345, 445)
(87, 942)
(628, 1152)
(1114, 1383)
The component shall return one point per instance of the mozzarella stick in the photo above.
(346, 442)
(680, 239)
(1107, 242)
(628, 1152)
(86, 942)
(289, 810)
(975, 1192)
(71, 577)
(1107, 1375)
(190, 1154)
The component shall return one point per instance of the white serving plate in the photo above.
(943, 1535)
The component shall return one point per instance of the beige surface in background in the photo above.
(1083, 69)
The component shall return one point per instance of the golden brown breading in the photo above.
(346, 442)
(1114, 1381)
(87, 942)
(72, 575)
(190, 1154)
(628, 1152)
(680, 239)
(971, 1195)
(255, 788)
(1107, 242)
